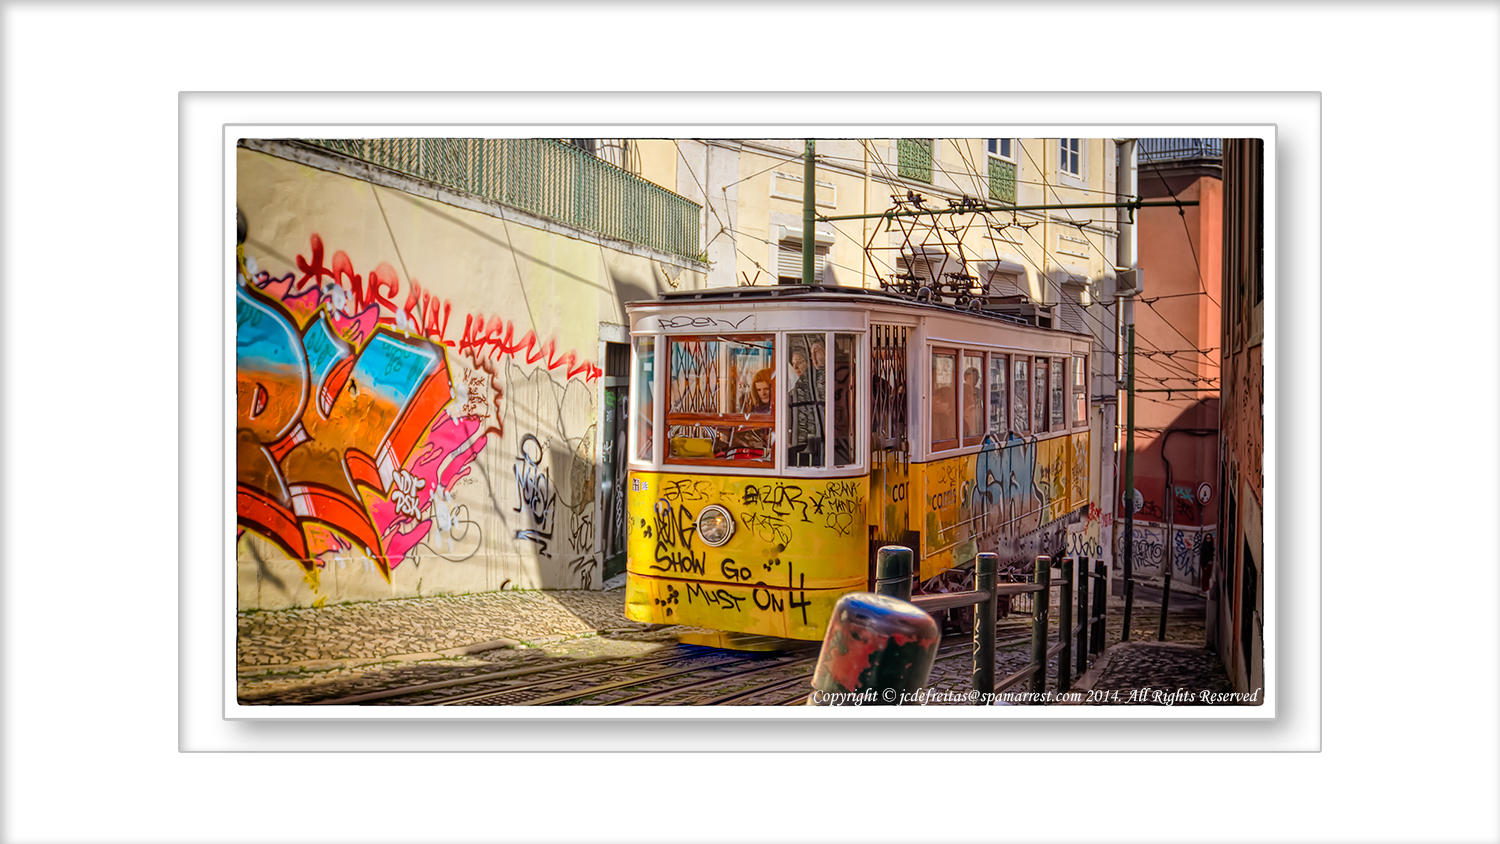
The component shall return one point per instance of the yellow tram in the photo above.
(778, 436)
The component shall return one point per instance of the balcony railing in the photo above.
(914, 159)
(1003, 181)
(552, 180)
(1179, 149)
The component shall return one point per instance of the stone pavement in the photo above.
(287, 655)
(1144, 671)
(358, 643)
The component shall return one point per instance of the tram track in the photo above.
(604, 677)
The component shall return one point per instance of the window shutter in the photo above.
(789, 259)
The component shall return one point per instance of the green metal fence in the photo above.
(914, 159)
(1002, 181)
(552, 180)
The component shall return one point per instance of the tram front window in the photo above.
(721, 400)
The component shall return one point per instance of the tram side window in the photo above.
(1080, 390)
(806, 406)
(1020, 406)
(944, 399)
(845, 377)
(973, 397)
(1039, 396)
(721, 400)
(645, 403)
(998, 405)
(1055, 403)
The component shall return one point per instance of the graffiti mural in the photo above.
(358, 417)
(1191, 549)
(330, 414)
(1015, 494)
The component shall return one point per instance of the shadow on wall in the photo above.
(631, 287)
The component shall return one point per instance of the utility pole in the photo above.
(809, 201)
(1125, 261)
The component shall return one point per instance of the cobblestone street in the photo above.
(300, 655)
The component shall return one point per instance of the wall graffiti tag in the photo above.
(535, 497)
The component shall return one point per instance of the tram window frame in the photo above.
(952, 354)
(1080, 391)
(820, 414)
(971, 437)
(999, 402)
(643, 402)
(1020, 396)
(1039, 375)
(1057, 394)
(720, 419)
(849, 413)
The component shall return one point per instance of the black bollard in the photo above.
(1083, 615)
(1039, 606)
(893, 571)
(986, 567)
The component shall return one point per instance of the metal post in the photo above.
(878, 650)
(1129, 479)
(1065, 628)
(1166, 597)
(809, 201)
(893, 571)
(1039, 606)
(1101, 606)
(1083, 615)
(986, 567)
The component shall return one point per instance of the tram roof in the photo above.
(825, 292)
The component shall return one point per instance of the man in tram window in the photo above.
(805, 401)
(973, 403)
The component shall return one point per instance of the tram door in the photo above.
(890, 447)
(612, 479)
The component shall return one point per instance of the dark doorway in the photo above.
(612, 477)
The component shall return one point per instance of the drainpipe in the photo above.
(1125, 258)
(864, 226)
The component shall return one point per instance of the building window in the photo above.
(1067, 156)
(944, 399)
(789, 261)
(1001, 148)
(914, 159)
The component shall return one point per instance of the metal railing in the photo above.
(1178, 149)
(893, 568)
(540, 176)
(914, 159)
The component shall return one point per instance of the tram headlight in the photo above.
(715, 525)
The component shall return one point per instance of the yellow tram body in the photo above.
(753, 510)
